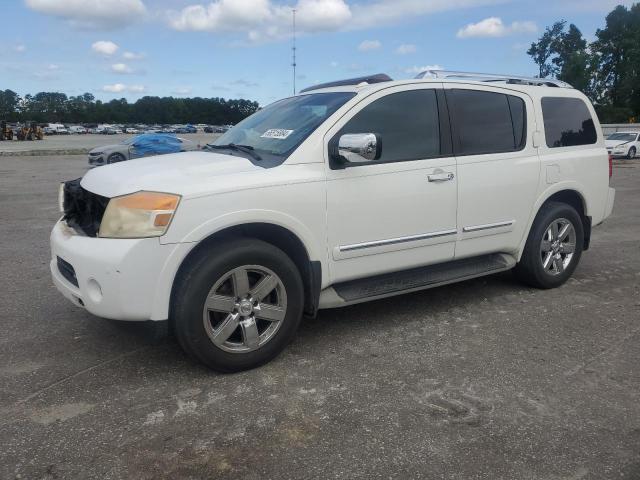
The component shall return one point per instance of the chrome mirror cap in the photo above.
(359, 147)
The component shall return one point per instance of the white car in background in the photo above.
(77, 129)
(131, 130)
(623, 144)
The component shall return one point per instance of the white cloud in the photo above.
(20, 48)
(52, 67)
(121, 68)
(267, 20)
(494, 27)
(417, 69)
(115, 88)
(91, 13)
(121, 88)
(368, 45)
(333, 64)
(385, 12)
(405, 49)
(261, 19)
(104, 47)
(133, 56)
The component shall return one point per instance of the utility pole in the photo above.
(293, 50)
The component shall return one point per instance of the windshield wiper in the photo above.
(248, 149)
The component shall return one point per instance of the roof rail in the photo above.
(492, 77)
(377, 78)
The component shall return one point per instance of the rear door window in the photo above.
(487, 122)
(567, 122)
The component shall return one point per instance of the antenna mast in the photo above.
(293, 50)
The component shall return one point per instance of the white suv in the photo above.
(347, 192)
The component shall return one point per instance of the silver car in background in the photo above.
(139, 146)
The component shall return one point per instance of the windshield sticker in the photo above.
(279, 133)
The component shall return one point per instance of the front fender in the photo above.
(186, 243)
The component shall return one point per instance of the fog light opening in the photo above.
(94, 290)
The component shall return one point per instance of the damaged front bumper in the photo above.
(112, 278)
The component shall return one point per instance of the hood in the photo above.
(186, 173)
(615, 143)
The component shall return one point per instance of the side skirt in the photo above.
(406, 281)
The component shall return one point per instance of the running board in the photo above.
(397, 283)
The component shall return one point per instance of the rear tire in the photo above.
(237, 304)
(553, 248)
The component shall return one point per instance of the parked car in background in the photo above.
(56, 129)
(208, 129)
(347, 192)
(186, 129)
(131, 130)
(77, 129)
(140, 146)
(623, 144)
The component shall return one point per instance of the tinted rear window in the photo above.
(567, 122)
(488, 122)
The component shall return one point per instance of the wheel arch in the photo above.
(280, 237)
(571, 195)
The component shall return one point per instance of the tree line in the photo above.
(53, 107)
(607, 70)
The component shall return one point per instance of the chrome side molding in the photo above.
(487, 226)
(392, 241)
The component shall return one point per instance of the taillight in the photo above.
(610, 166)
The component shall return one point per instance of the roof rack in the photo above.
(377, 78)
(492, 77)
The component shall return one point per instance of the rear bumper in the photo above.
(114, 278)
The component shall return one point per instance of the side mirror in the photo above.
(358, 148)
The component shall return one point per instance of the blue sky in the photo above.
(242, 48)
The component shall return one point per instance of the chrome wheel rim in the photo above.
(245, 308)
(558, 246)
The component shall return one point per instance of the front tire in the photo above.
(237, 304)
(632, 153)
(553, 248)
(116, 158)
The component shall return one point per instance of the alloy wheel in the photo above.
(558, 246)
(245, 308)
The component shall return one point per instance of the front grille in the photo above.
(67, 271)
(83, 210)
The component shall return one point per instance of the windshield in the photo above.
(626, 137)
(278, 129)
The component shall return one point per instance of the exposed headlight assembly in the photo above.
(138, 215)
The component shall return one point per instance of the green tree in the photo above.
(545, 49)
(561, 52)
(9, 103)
(617, 49)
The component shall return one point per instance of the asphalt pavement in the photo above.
(485, 379)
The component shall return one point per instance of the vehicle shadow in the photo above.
(351, 320)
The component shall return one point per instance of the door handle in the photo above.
(440, 177)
